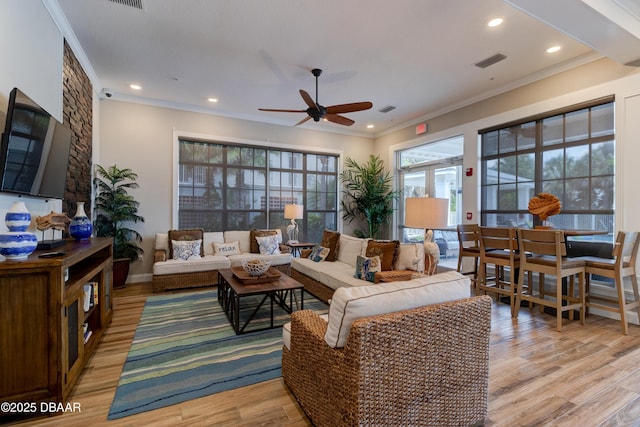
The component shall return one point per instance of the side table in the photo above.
(297, 247)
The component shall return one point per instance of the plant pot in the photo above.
(120, 272)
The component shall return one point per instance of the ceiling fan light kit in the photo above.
(316, 111)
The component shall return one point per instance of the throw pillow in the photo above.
(318, 253)
(185, 249)
(254, 247)
(304, 253)
(227, 248)
(387, 251)
(331, 240)
(186, 235)
(268, 245)
(409, 255)
(366, 268)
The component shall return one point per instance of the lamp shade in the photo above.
(293, 211)
(426, 213)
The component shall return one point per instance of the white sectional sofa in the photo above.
(323, 278)
(169, 273)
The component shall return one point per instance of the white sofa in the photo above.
(323, 278)
(203, 271)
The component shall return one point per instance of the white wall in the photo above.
(32, 61)
(144, 139)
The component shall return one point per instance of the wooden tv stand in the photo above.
(42, 342)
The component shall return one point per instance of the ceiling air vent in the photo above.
(131, 3)
(490, 60)
(387, 109)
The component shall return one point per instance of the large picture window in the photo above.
(568, 153)
(238, 187)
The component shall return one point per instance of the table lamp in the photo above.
(428, 213)
(293, 212)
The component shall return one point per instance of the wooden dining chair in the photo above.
(469, 246)
(499, 248)
(546, 254)
(623, 265)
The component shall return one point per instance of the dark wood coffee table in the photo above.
(231, 291)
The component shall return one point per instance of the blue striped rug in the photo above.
(185, 348)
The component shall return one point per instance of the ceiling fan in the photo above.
(317, 111)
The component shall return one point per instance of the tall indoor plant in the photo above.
(368, 195)
(116, 211)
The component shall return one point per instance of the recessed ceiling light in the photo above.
(495, 22)
(553, 49)
(135, 86)
(370, 126)
(212, 99)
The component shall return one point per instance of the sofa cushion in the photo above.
(410, 257)
(186, 235)
(331, 240)
(205, 263)
(277, 259)
(226, 249)
(349, 249)
(387, 251)
(351, 303)
(241, 236)
(334, 275)
(209, 238)
(268, 244)
(254, 246)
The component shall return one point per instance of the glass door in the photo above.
(435, 170)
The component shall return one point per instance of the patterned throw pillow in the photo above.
(268, 245)
(366, 268)
(226, 249)
(254, 247)
(186, 234)
(185, 249)
(319, 253)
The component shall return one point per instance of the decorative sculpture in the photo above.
(544, 205)
(55, 220)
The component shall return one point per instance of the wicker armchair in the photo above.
(426, 366)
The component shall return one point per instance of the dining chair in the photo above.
(623, 264)
(469, 246)
(499, 248)
(546, 254)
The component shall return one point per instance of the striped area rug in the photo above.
(184, 348)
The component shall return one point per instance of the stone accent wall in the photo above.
(77, 114)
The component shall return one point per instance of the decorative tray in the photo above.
(268, 276)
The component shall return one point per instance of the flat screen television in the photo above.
(34, 153)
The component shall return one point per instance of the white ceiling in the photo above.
(415, 55)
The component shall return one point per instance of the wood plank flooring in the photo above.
(584, 376)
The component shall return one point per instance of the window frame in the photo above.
(517, 214)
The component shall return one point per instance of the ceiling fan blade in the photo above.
(349, 108)
(341, 120)
(302, 121)
(282, 111)
(307, 99)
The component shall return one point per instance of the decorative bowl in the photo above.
(256, 267)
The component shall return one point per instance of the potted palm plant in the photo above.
(368, 195)
(116, 210)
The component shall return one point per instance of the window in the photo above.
(569, 154)
(240, 187)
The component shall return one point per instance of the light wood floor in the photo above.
(584, 376)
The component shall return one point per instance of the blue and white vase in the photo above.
(80, 227)
(18, 217)
(18, 243)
